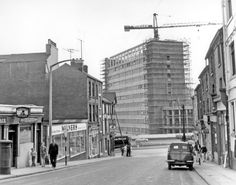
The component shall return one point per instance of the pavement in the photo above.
(20, 172)
(210, 172)
(214, 174)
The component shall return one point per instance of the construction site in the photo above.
(152, 84)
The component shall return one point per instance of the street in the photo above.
(147, 166)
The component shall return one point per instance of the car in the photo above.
(141, 140)
(180, 154)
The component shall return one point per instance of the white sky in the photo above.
(26, 25)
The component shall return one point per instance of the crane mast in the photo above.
(155, 26)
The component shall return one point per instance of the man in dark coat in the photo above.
(128, 152)
(53, 152)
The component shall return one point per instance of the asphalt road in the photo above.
(145, 167)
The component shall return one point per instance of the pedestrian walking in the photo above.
(128, 152)
(125, 148)
(43, 153)
(197, 150)
(33, 154)
(204, 152)
(122, 151)
(53, 152)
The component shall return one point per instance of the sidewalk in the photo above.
(19, 172)
(214, 174)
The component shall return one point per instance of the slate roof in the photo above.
(27, 57)
(111, 96)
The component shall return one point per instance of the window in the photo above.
(233, 115)
(220, 83)
(229, 9)
(89, 89)
(169, 88)
(213, 89)
(94, 112)
(232, 58)
(219, 55)
(97, 117)
(93, 89)
(96, 90)
(90, 113)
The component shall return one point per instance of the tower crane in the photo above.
(155, 26)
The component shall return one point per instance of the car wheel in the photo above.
(190, 167)
(169, 166)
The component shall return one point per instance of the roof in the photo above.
(111, 96)
(26, 57)
(204, 71)
(218, 36)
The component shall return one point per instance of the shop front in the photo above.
(71, 139)
(94, 142)
(22, 124)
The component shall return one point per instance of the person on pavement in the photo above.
(204, 151)
(128, 153)
(33, 156)
(43, 153)
(53, 152)
(197, 150)
(122, 151)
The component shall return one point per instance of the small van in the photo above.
(180, 154)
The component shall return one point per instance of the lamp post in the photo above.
(184, 136)
(50, 96)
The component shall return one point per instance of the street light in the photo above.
(183, 122)
(184, 136)
(50, 96)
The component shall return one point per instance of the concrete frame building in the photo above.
(148, 79)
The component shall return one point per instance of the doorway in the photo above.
(13, 137)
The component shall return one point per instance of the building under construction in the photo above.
(152, 84)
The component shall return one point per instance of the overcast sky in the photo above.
(26, 25)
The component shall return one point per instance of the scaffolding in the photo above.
(147, 78)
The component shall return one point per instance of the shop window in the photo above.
(26, 134)
(77, 142)
(60, 140)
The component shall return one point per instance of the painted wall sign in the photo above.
(3, 120)
(60, 129)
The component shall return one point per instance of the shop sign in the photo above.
(29, 120)
(3, 120)
(22, 112)
(61, 129)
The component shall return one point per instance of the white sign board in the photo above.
(60, 129)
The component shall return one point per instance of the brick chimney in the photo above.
(78, 64)
(85, 68)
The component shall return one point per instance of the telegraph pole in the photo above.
(184, 136)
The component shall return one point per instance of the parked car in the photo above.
(141, 140)
(180, 154)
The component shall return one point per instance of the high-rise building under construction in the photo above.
(152, 84)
